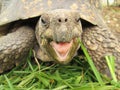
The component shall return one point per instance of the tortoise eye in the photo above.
(44, 20)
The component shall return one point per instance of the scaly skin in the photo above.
(15, 46)
(100, 42)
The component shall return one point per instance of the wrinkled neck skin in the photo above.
(57, 33)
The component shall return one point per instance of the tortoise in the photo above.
(56, 26)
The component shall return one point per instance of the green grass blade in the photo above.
(61, 87)
(77, 81)
(9, 83)
(91, 64)
(94, 88)
(28, 61)
(111, 64)
(26, 80)
(112, 61)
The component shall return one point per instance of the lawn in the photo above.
(80, 74)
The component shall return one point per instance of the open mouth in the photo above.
(62, 49)
(61, 52)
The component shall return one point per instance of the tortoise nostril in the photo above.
(66, 19)
(59, 20)
(62, 20)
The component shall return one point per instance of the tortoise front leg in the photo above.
(14, 47)
(100, 42)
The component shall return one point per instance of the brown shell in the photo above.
(12, 10)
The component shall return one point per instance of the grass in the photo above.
(92, 64)
(111, 64)
(80, 74)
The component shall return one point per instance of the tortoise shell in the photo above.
(12, 10)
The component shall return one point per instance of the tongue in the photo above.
(62, 48)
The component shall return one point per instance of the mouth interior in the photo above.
(62, 49)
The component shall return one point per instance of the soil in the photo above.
(112, 18)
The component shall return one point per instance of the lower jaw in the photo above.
(70, 54)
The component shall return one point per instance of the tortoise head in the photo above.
(57, 33)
